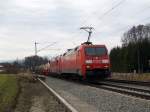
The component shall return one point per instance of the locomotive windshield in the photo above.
(95, 51)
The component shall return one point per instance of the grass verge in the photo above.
(8, 92)
(132, 77)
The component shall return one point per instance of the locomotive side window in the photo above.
(95, 51)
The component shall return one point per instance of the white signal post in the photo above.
(36, 48)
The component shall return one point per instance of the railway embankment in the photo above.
(34, 97)
(22, 93)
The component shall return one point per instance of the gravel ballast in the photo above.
(89, 99)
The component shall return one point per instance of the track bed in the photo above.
(84, 97)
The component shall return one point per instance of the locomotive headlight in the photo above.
(88, 67)
(88, 61)
(105, 61)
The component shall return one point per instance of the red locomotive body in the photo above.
(86, 60)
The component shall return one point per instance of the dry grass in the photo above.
(28, 76)
(130, 76)
(34, 97)
(8, 92)
(10, 89)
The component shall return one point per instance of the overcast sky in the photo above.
(22, 22)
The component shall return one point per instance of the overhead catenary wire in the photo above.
(46, 46)
(114, 7)
(106, 12)
(111, 9)
(141, 11)
(52, 49)
(129, 26)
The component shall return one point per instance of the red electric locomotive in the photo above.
(86, 60)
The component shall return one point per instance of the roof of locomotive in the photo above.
(82, 46)
(92, 45)
(97, 45)
(85, 44)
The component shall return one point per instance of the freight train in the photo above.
(85, 61)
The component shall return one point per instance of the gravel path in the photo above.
(34, 97)
(37, 105)
(90, 99)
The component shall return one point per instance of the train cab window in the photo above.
(95, 51)
(100, 51)
(90, 51)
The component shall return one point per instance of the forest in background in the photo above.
(134, 54)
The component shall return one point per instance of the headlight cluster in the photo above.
(88, 61)
(105, 61)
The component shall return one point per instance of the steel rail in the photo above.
(139, 93)
(129, 87)
(141, 83)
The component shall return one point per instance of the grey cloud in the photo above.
(22, 22)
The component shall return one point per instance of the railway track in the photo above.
(127, 89)
(133, 89)
(141, 83)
